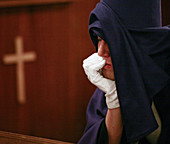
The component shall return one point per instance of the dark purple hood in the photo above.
(139, 48)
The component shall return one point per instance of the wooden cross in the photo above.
(19, 58)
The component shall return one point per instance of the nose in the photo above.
(103, 49)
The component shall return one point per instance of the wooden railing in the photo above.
(13, 138)
(9, 3)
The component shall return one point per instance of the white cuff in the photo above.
(112, 100)
(111, 104)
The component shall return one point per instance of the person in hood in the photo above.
(131, 70)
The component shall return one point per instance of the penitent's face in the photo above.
(103, 51)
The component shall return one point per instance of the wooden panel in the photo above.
(44, 30)
(165, 12)
(9, 3)
(13, 138)
(57, 89)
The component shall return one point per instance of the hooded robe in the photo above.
(140, 51)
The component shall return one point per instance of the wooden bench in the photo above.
(13, 138)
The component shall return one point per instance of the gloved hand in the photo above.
(92, 67)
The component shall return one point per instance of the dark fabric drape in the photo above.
(140, 55)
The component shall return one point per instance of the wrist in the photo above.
(114, 125)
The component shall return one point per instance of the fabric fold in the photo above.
(138, 74)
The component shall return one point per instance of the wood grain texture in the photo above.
(16, 3)
(165, 12)
(58, 91)
(13, 138)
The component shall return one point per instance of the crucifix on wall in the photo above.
(19, 58)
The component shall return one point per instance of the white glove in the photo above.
(92, 67)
